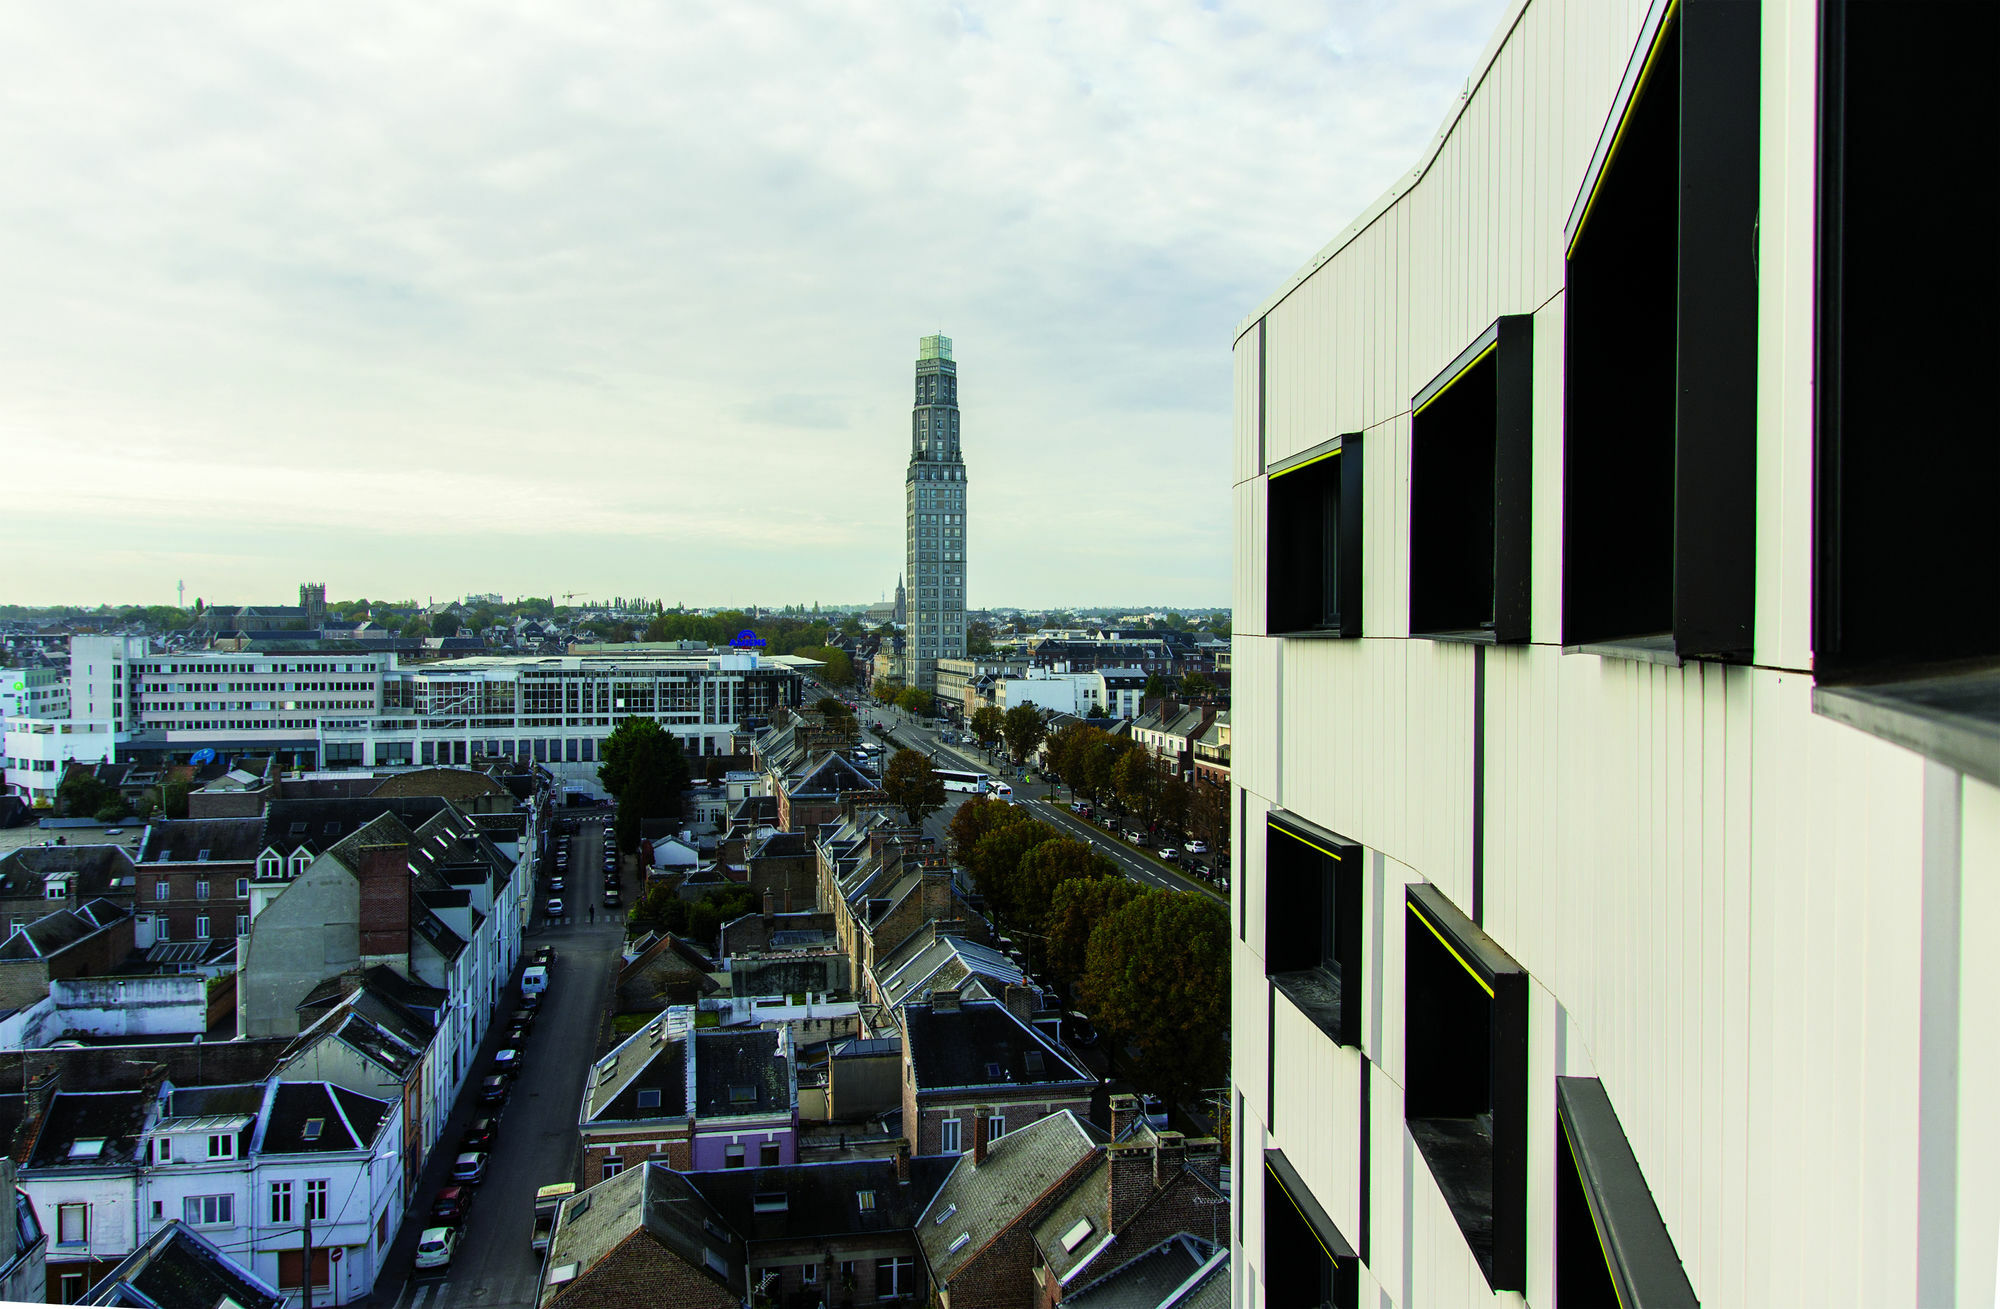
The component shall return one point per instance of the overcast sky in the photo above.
(422, 299)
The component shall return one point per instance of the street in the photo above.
(1037, 795)
(495, 1264)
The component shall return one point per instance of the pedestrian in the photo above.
(593, 913)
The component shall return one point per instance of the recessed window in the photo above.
(1306, 1259)
(1907, 468)
(1313, 534)
(1466, 1090)
(1312, 942)
(1470, 490)
(1660, 351)
(1612, 1248)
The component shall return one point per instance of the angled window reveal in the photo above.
(1312, 917)
(1313, 561)
(1906, 605)
(1471, 488)
(1308, 1264)
(1613, 1250)
(1660, 349)
(1466, 1091)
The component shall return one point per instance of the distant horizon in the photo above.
(582, 603)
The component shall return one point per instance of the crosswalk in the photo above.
(516, 1292)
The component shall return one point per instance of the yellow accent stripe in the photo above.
(1302, 841)
(1638, 92)
(1469, 969)
(1287, 1192)
(1331, 454)
(1459, 374)
(1603, 1246)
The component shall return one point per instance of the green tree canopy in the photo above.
(979, 638)
(975, 818)
(1138, 779)
(996, 860)
(1075, 910)
(445, 625)
(1098, 711)
(1025, 729)
(1157, 687)
(1156, 975)
(644, 768)
(832, 706)
(1196, 687)
(81, 796)
(839, 670)
(886, 689)
(174, 797)
(989, 725)
(1047, 866)
(909, 781)
(916, 701)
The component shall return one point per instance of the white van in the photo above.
(535, 980)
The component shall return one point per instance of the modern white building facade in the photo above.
(1616, 766)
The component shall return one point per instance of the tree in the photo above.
(644, 768)
(979, 638)
(1196, 687)
(915, 701)
(1024, 730)
(839, 670)
(1075, 910)
(997, 858)
(1208, 815)
(910, 782)
(974, 819)
(174, 797)
(1157, 687)
(1156, 975)
(886, 689)
(832, 706)
(112, 810)
(80, 795)
(989, 725)
(1138, 779)
(1098, 711)
(445, 625)
(1045, 868)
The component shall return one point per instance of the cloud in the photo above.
(382, 290)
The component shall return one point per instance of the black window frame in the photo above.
(1313, 923)
(1472, 491)
(1613, 1249)
(1660, 350)
(1465, 1085)
(1906, 597)
(1322, 1272)
(1312, 527)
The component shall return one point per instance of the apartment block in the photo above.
(1615, 759)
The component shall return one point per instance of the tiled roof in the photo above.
(978, 1203)
(178, 1268)
(654, 1058)
(319, 824)
(1181, 1272)
(807, 1201)
(449, 783)
(919, 965)
(191, 840)
(981, 1044)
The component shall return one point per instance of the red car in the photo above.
(453, 1203)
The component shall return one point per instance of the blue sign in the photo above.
(747, 640)
(202, 756)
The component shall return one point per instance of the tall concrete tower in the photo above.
(935, 510)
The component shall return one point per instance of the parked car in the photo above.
(523, 1017)
(470, 1167)
(517, 1035)
(1197, 847)
(545, 955)
(453, 1203)
(555, 906)
(493, 1090)
(611, 900)
(1170, 854)
(482, 1135)
(507, 1061)
(557, 885)
(435, 1247)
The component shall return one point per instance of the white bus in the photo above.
(957, 781)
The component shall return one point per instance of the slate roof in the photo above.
(182, 840)
(949, 961)
(177, 1268)
(448, 783)
(819, 1200)
(983, 1045)
(58, 931)
(348, 1120)
(831, 776)
(983, 1201)
(654, 1058)
(732, 1067)
(318, 824)
(23, 871)
(115, 1117)
(1181, 1272)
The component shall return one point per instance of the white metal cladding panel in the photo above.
(1249, 1194)
(1385, 1181)
(1345, 728)
(1252, 550)
(1253, 688)
(1318, 1115)
(1545, 537)
(1248, 1018)
(1252, 843)
(1386, 970)
(1287, 369)
(1785, 336)
(1246, 404)
(1385, 524)
(1542, 1129)
(1436, 765)
(1979, 1043)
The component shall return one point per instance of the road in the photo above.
(1037, 796)
(495, 1265)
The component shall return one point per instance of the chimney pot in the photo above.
(944, 1001)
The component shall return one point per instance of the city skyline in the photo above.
(552, 305)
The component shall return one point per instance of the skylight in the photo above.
(959, 1243)
(865, 1201)
(1074, 1237)
(945, 1217)
(314, 1126)
(770, 1202)
(86, 1147)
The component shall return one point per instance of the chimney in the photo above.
(1204, 1160)
(1168, 1155)
(944, 1001)
(979, 1117)
(1130, 1183)
(1020, 1001)
(788, 897)
(770, 908)
(385, 900)
(1124, 1112)
(936, 893)
(903, 1161)
(42, 1084)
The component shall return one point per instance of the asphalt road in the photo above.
(1139, 867)
(495, 1264)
